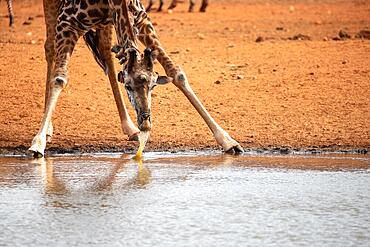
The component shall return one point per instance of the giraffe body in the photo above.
(173, 5)
(68, 20)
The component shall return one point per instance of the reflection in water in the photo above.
(54, 185)
(211, 200)
(143, 175)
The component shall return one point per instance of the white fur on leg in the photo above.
(49, 132)
(221, 136)
(39, 142)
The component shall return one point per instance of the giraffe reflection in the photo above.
(56, 182)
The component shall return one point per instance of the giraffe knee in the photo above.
(180, 80)
(60, 81)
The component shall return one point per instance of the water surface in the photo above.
(185, 200)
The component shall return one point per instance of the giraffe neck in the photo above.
(123, 21)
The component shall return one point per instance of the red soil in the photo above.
(279, 93)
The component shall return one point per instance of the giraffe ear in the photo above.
(120, 77)
(163, 80)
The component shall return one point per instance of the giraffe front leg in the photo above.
(64, 48)
(104, 46)
(49, 53)
(50, 14)
(222, 137)
(39, 141)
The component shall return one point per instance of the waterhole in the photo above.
(187, 199)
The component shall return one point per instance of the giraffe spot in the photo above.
(69, 11)
(66, 49)
(92, 2)
(80, 26)
(60, 42)
(117, 2)
(59, 28)
(83, 5)
(81, 16)
(96, 20)
(74, 37)
(63, 17)
(63, 24)
(66, 34)
(105, 12)
(94, 13)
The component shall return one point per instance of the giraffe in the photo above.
(10, 12)
(66, 21)
(174, 4)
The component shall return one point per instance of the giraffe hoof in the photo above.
(229, 145)
(235, 150)
(38, 147)
(134, 137)
(35, 154)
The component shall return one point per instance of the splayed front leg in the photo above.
(59, 81)
(222, 137)
(103, 41)
(39, 141)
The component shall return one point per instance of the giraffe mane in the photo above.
(129, 27)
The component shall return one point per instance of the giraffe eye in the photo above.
(142, 78)
(128, 87)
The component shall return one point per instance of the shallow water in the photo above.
(185, 200)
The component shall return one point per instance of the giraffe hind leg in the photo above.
(103, 49)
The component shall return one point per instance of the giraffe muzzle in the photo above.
(144, 121)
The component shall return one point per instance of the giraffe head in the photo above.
(139, 80)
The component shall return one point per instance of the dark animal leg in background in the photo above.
(203, 6)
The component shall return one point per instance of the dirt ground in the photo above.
(278, 94)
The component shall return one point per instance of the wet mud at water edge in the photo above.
(187, 199)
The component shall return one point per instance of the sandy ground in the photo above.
(278, 94)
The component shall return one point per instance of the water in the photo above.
(185, 200)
